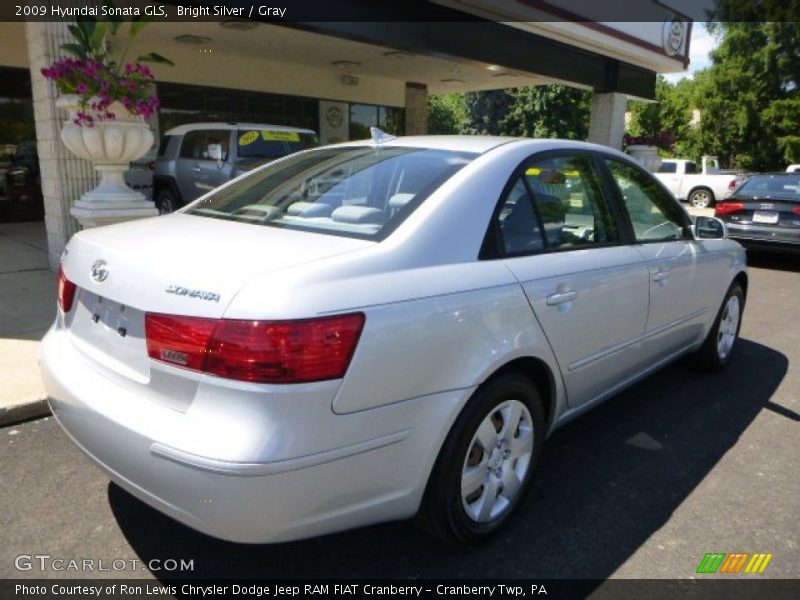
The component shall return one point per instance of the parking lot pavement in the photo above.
(642, 487)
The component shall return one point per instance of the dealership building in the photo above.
(340, 78)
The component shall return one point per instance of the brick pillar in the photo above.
(607, 122)
(64, 177)
(416, 108)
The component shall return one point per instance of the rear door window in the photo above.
(206, 145)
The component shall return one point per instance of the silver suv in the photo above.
(193, 159)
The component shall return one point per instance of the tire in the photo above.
(507, 414)
(701, 198)
(717, 349)
(166, 202)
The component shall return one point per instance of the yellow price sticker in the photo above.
(280, 136)
(248, 138)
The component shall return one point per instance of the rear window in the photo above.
(353, 191)
(272, 143)
(784, 186)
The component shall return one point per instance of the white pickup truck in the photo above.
(700, 186)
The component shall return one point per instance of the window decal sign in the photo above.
(280, 136)
(248, 137)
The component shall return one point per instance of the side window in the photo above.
(668, 167)
(206, 145)
(654, 214)
(691, 168)
(569, 203)
(519, 228)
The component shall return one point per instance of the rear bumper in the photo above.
(359, 469)
(759, 236)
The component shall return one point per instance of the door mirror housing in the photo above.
(709, 228)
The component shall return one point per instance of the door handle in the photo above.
(196, 169)
(661, 275)
(560, 298)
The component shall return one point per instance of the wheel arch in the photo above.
(161, 183)
(742, 279)
(540, 375)
(697, 188)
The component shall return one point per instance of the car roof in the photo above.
(475, 143)
(182, 129)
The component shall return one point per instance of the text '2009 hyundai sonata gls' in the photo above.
(375, 330)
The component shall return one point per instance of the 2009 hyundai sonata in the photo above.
(370, 331)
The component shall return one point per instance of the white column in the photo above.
(64, 177)
(607, 122)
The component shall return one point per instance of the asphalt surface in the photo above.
(641, 487)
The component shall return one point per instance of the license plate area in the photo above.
(108, 329)
(766, 217)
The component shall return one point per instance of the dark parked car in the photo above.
(765, 212)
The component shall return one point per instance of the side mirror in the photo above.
(709, 228)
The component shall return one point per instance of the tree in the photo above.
(536, 111)
(487, 112)
(749, 97)
(447, 114)
(549, 111)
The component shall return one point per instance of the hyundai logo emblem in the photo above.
(99, 271)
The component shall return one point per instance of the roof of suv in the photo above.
(182, 129)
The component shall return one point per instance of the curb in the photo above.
(12, 415)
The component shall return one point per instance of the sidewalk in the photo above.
(27, 309)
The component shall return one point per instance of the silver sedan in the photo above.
(377, 330)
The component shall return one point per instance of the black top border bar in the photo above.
(408, 11)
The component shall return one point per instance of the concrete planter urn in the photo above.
(110, 145)
(647, 156)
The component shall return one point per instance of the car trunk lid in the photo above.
(176, 264)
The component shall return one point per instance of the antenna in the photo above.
(380, 137)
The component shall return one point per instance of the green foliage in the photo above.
(97, 40)
(487, 112)
(447, 114)
(549, 111)
(749, 97)
(536, 111)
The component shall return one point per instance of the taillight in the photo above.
(178, 340)
(796, 210)
(726, 208)
(732, 185)
(66, 291)
(257, 351)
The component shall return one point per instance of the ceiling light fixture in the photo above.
(346, 64)
(236, 25)
(398, 54)
(453, 81)
(187, 38)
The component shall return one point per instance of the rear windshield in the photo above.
(272, 143)
(784, 186)
(353, 191)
